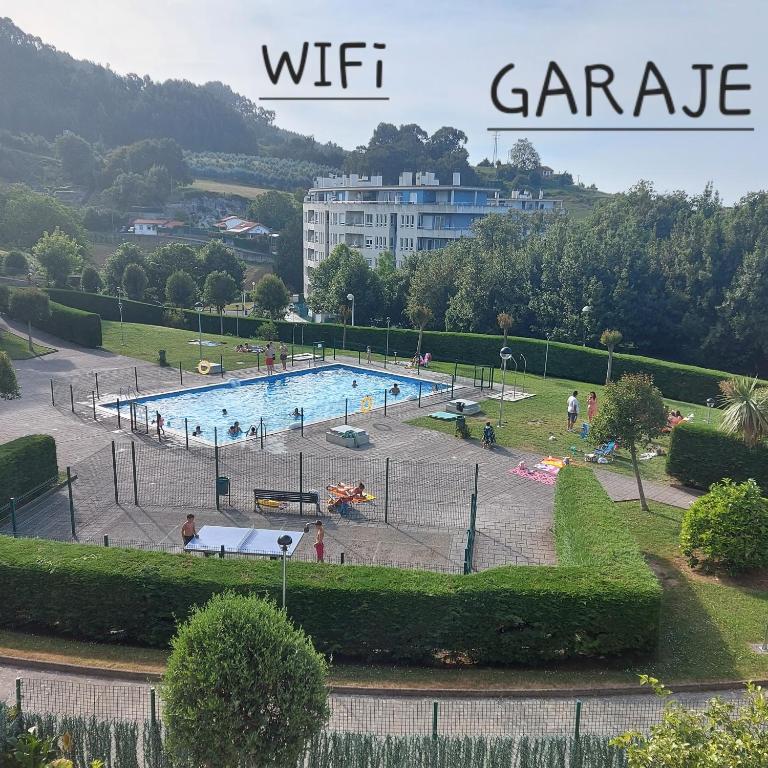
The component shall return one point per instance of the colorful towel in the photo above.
(443, 416)
(546, 478)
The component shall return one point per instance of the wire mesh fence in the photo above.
(388, 715)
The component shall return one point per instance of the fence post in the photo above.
(341, 558)
(152, 707)
(258, 361)
(118, 414)
(71, 503)
(146, 418)
(135, 476)
(136, 377)
(419, 394)
(261, 432)
(385, 402)
(453, 380)
(301, 482)
(53, 399)
(456, 369)
(434, 719)
(93, 401)
(221, 551)
(96, 375)
(181, 382)
(477, 472)
(106, 539)
(71, 398)
(18, 697)
(221, 365)
(346, 408)
(577, 725)
(386, 490)
(302, 422)
(114, 470)
(13, 516)
(216, 463)
(493, 374)
(186, 433)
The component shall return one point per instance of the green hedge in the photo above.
(74, 325)
(568, 361)
(25, 464)
(700, 455)
(511, 614)
(106, 306)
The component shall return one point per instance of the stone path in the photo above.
(624, 488)
(64, 693)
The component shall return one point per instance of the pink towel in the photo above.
(534, 474)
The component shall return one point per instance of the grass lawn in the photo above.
(144, 341)
(17, 347)
(529, 424)
(225, 188)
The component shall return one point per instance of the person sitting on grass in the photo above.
(489, 436)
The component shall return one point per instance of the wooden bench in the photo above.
(295, 497)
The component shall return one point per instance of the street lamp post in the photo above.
(525, 368)
(504, 353)
(546, 356)
(199, 309)
(284, 542)
(386, 352)
(710, 406)
(120, 308)
(351, 297)
(584, 317)
(253, 296)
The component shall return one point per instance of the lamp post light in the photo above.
(710, 406)
(199, 309)
(253, 296)
(546, 355)
(351, 297)
(284, 542)
(525, 368)
(386, 352)
(584, 318)
(120, 308)
(504, 353)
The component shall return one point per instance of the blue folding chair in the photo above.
(584, 430)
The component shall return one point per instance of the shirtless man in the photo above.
(188, 531)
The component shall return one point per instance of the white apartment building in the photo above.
(416, 214)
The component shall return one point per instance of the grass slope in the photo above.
(227, 188)
(17, 347)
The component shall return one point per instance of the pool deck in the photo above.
(514, 515)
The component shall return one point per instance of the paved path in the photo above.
(624, 488)
(62, 693)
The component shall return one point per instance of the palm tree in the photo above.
(746, 409)
(611, 340)
(344, 313)
(419, 316)
(504, 320)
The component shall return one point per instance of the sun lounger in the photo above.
(465, 407)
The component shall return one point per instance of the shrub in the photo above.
(9, 387)
(90, 280)
(601, 601)
(25, 464)
(173, 318)
(15, 263)
(5, 297)
(106, 306)
(241, 674)
(727, 527)
(700, 455)
(268, 331)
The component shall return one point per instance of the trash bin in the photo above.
(222, 486)
(161, 355)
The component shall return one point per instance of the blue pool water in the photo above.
(321, 392)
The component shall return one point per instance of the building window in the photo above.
(369, 242)
(368, 219)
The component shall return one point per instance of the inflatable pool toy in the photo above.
(366, 404)
(204, 367)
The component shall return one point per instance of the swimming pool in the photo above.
(323, 393)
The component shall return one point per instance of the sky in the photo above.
(440, 60)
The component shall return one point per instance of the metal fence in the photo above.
(387, 715)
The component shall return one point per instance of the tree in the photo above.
(420, 316)
(90, 280)
(272, 296)
(723, 734)
(78, 161)
(218, 291)
(632, 414)
(58, 254)
(504, 320)
(9, 387)
(216, 257)
(30, 306)
(746, 409)
(114, 266)
(135, 281)
(166, 260)
(5, 297)
(611, 340)
(15, 263)
(344, 313)
(243, 676)
(524, 157)
(727, 527)
(181, 289)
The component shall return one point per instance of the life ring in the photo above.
(366, 404)
(204, 367)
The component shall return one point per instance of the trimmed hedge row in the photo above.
(74, 325)
(26, 463)
(700, 455)
(106, 306)
(608, 606)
